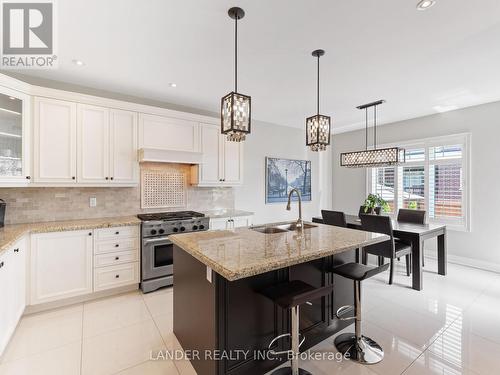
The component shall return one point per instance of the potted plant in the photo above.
(375, 204)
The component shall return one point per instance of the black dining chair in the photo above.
(377, 210)
(335, 218)
(415, 217)
(391, 249)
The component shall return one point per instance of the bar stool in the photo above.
(290, 295)
(357, 347)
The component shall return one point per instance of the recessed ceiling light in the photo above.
(171, 84)
(78, 62)
(425, 4)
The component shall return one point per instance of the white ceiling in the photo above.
(421, 62)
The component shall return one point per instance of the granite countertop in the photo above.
(214, 214)
(243, 252)
(11, 233)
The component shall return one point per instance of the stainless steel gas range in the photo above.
(157, 254)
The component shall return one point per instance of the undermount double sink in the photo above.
(281, 228)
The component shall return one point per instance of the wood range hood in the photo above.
(169, 156)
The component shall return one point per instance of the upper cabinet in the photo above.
(14, 137)
(54, 141)
(165, 133)
(93, 144)
(123, 165)
(84, 144)
(222, 163)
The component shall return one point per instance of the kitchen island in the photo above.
(220, 317)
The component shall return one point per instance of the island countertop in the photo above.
(244, 252)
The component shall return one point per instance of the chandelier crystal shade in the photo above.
(318, 126)
(377, 157)
(236, 107)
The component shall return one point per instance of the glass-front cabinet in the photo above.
(14, 133)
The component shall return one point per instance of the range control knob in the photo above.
(161, 231)
(153, 231)
(201, 227)
(175, 230)
(183, 229)
(195, 227)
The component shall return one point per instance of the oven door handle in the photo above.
(161, 239)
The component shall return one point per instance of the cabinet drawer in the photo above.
(117, 232)
(116, 276)
(102, 247)
(116, 258)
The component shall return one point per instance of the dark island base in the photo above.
(232, 317)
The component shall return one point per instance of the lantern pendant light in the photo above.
(376, 157)
(318, 126)
(235, 107)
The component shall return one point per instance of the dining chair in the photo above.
(377, 210)
(412, 216)
(391, 249)
(336, 218)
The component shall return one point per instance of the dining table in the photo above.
(415, 234)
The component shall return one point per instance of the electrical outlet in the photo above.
(93, 201)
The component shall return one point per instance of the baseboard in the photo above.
(470, 262)
(33, 309)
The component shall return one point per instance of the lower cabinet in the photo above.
(225, 223)
(116, 257)
(12, 289)
(61, 265)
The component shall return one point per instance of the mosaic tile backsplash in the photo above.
(34, 204)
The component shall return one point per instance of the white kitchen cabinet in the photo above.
(14, 138)
(93, 144)
(222, 163)
(230, 222)
(54, 141)
(123, 166)
(61, 265)
(165, 133)
(12, 289)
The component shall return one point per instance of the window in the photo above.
(434, 178)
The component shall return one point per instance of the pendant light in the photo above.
(376, 157)
(235, 107)
(318, 126)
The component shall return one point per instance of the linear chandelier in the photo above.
(235, 107)
(318, 126)
(376, 157)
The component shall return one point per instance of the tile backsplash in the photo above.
(36, 204)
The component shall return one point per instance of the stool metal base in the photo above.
(288, 371)
(365, 351)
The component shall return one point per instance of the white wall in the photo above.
(284, 142)
(481, 246)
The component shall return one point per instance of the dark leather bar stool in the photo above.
(359, 348)
(290, 296)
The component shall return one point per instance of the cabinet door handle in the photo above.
(73, 178)
(117, 245)
(107, 178)
(28, 177)
(112, 178)
(16, 250)
(117, 276)
(117, 258)
(1, 264)
(90, 233)
(117, 232)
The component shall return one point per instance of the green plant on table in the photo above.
(375, 200)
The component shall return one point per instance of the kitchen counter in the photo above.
(215, 214)
(11, 233)
(219, 277)
(243, 252)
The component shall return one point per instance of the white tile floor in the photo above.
(452, 327)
